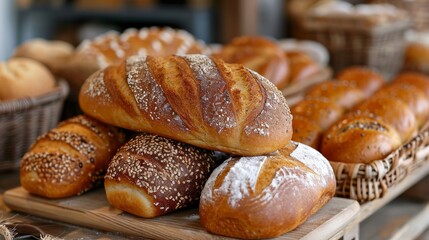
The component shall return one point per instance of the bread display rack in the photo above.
(23, 120)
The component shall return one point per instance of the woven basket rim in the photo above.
(59, 92)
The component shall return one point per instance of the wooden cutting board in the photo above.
(93, 210)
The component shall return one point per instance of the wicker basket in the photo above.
(366, 182)
(353, 40)
(23, 120)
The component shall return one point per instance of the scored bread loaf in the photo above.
(359, 139)
(392, 111)
(69, 159)
(259, 54)
(151, 175)
(112, 48)
(266, 196)
(195, 99)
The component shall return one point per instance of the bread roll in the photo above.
(151, 175)
(344, 94)
(393, 112)
(194, 99)
(21, 77)
(418, 80)
(112, 48)
(259, 54)
(363, 78)
(301, 67)
(69, 159)
(306, 131)
(53, 54)
(359, 139)
(416, 57)
(412, 96)
(266, 196)
(322, 111)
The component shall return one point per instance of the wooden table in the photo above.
(92, 210)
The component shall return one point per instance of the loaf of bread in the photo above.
(53, 54)
(69, 159)
(306, 131)
(412, 96)
(392, 111)
(195, 99)
(322, 111)
(266, 196)
(259, 54)
(418, 80)
(344, 94)
(112, 48)
(22, 77)
(151, 175)
(359, 139)
(301, 67)
(363, 78)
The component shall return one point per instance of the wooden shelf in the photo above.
(401, 219)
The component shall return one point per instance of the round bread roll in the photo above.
(301, 67)
(416, 57)
(418, 80)
(259, 54)
(359, 139)
(322, 111)
(266, 196)
(412, 96)
(343, 93)
(393, 112)
(363, 78)
(53, 54)
(23, 77)
(150, 175)
(306, 131)
(70, 159)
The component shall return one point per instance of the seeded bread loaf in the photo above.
(195, 99)
(365, 79)
(151, 175)
(70, 159)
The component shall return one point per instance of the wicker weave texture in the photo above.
(366, 182)
(23, 120)
(353, 42)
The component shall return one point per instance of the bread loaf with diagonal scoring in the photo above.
(70, 159)
(195, 99)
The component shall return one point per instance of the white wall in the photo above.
(7, 28)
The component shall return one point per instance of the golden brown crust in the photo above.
(301, 67)
(322, 111)
(266, 196)
(306, 131)
(363, 78)
(418, 80)
(53, 54)
(259, 54)
(412, 96)
(359, 139)
(393, 112)
(70, 159)
(343, 93)
(150, 175)
(192, 98)
(24, 77)
(112, 48)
